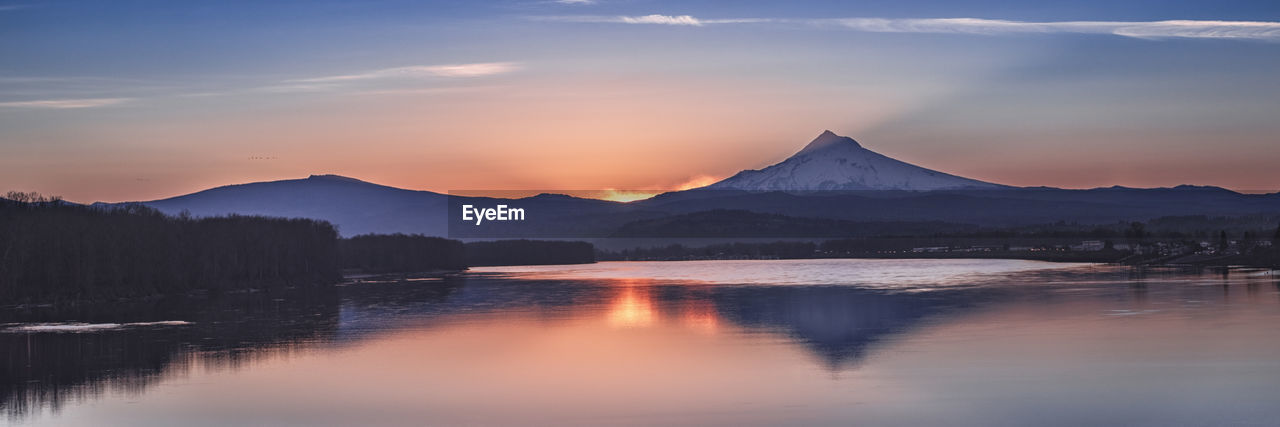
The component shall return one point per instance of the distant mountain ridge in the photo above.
(813, 185)
(356, 206)
(834, 162)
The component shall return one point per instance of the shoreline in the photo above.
(351, 279)
(1113, 259)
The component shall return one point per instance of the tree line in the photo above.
(399, 253)
(52, 250)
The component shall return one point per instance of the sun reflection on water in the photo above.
(700, 315)
(632, 308)
(633, 305)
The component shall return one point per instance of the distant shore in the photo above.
(1108, 257)
(1104, 257)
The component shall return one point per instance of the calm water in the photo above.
(846, 342)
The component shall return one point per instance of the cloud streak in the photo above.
(420, 71)
(61, 104)
(1199, 29)
(1255, 30)
(675, 20)
(387, 80)
(661, 19)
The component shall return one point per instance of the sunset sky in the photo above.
(139, 100)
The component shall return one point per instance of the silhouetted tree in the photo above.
(400, 253)
(50, 249)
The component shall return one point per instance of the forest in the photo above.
(400, 253)
(53, 250)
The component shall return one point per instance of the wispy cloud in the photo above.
(661, 19)
(11, 7)
(291, 86)
(576, 1)
(1244, 30)
(429, 90)
(420, 71)
(650, 19)
(64, 103)
(57, 93)
(1141, 29)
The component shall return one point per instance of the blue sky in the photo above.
(135, 100)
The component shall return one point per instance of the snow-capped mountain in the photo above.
(834, 162)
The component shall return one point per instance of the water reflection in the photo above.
(52, 369)
(700, 315)
(586, 322)
(837, 324)
(631, 307)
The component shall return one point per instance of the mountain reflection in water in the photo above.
(838, 324)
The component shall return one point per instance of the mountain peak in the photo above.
(834, 162)
(829, 139)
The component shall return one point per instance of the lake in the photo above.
(796, 342)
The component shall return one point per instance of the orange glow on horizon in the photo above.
(634, 195)
(610, 194)
(697, 182)
(625, 195)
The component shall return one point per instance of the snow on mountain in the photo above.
(834, 162)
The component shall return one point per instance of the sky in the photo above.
(140, 100)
